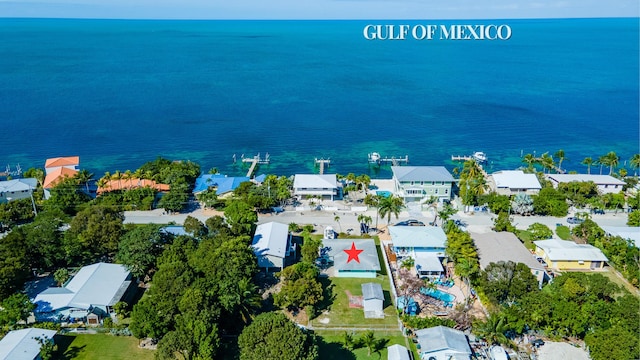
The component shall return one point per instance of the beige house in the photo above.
(606, 184)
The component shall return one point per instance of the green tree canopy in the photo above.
(94, 232)
(241, 217)
(140, 248)
(507, 282)
(300, 286)
(272, 336)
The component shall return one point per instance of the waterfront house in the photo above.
(567, 255)
(221, 183)
(397, 352)
(89, 296)
(53, 177)
(308, 185)
(442, 343)
(129, 184)
(415, 183)
(494, 247)
(424, 244)
(272, 245)
(69, 162)
(373, 301)
(23, 344)
(355, 258)
(606, 184)
(17, 189)
(511, 182)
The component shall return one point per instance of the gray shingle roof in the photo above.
(368, 257)
(503, 246)
(372, 291)
(442, 338)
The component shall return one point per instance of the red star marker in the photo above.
(353, 253)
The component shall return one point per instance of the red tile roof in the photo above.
(62, 161)
(56, 175)
(128, 184)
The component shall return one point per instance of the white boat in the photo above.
(479, 156)
(374, 157)
(497, 352)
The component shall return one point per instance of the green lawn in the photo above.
(563, 232)
(100, 347)
(340, 314)
(525, 236)
(617, 280)
(331, 345)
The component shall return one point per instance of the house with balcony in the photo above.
(424, 244)
(415, 183)
(312, 185)
(511, 182)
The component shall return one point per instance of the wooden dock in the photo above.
(255, 161)
(394, 161)
(461, 158)
(322, 162)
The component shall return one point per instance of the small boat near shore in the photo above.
(478, 156)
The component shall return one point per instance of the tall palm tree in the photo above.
(613, 160)
(529, 160)
(374, 201)
(337, 219)
(390, 205)
(465, 268)
(493, 329)
(84, 176)
(250, 300)
(587, 162)
(634, 163)
(117, 176)
(104, 180)
(603, 161)
(547, 161)
(561, 157)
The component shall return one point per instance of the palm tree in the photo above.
(529, 160)
(337, 219)
(84, 176)
(547, 161)
(561, 157)
(390, 205)
(117, 176)
(493, 329)
(374, 201)
(587, 162)
(104, 180)
(634, 163)
(613, 160)
(465, 268)
(603, 161)
(249, 299)
(369, 340)
(362, 182)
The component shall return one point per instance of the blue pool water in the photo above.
(437, 294)
(383, 193)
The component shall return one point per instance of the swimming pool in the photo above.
(437, 294)
(384, 193)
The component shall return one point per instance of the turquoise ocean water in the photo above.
(119, 93)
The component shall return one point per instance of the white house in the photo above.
(272, 245)
(630, 233)
(88, 296)
(69, 162)
(22, 344)
(510, 182)
(424, 244)
(373, 301)
(17, 189)
(325, 186)
(414, 183)
(442, 343)
(606, 184)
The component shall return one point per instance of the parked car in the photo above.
(574, 220)
(537, 343)
(598, 211)
(411, 222)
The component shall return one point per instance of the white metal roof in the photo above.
(22, 345)
(597, 179)
(428, 262)
(96, 284)
(418, 236)
(515, 179)
(313, 181)
(442, 338)
(559, 250)
(372, 291)
(18, 185)
(271, 239)
(421, 173)
(625, 232)
(397, 352)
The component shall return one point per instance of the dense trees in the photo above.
(140, 247)
(240, 216)
(274, 337)
(300, 286)
(550, 201)
(94, 232)
(507, 282)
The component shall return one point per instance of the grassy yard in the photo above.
(525, 236)
(563, 232)
(100, 347)
(617, 280)
(339, 312)
(331, 345)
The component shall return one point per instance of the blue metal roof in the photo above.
(223, 183)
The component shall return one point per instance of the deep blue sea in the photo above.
(119, 93)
